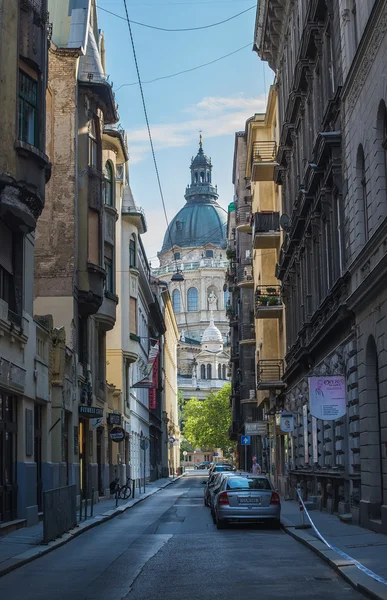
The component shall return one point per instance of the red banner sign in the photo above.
(155, 381)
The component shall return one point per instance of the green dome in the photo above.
(197, 224)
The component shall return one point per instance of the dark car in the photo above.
(205, 464)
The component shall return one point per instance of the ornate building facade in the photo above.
(195, 247)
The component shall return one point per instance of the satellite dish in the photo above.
(284, 222)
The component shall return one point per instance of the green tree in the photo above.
(206, 422)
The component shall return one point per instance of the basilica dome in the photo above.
(202, 220)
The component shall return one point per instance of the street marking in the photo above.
(357, 564)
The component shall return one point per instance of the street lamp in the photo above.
(178, 276)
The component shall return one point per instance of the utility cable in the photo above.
(211, 62)
(183, 29)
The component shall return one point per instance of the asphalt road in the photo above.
(168, 548)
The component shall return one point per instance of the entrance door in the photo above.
(38, 455)
(8, 438)
(82, 456)
(100, 460)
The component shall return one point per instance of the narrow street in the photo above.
(168, 547)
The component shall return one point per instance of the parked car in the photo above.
(218, 467)
(245, 497)
(213, 486)
(205, 464)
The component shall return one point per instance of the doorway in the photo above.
(100, 460)
(82, 456)
(38, 455)
(8, 457)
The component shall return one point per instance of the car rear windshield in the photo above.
(223, 468)
(248, 483)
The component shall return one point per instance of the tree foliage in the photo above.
(206, 422)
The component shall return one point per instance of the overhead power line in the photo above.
(186, 70)
(183, 29)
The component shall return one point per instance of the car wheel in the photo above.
(220, 524)
(213, 516)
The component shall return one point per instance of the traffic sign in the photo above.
(216, 454)
(245, 440)
(171, 440)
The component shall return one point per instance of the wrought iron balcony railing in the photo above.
(269, 374)
(266, 230)
(243, 216)
(268, 301)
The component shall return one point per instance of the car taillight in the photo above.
(223, 498)
(275, 499)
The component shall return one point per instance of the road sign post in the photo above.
(245, 441)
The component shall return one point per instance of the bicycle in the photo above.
(125, 491)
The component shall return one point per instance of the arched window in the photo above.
(224, 372)
(176, 301)
(203, 372)
(219, 371)
(196, 177)
(202, 177)
(132, 252)
(208, 176)
(192, 300)
(176, 256)
(209, 372)
(108, 188)
(362, 194)
(93, 147)
(381, 148)
(226, 298)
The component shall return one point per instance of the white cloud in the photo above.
(215, 116)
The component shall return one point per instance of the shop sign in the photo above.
(114, 419)
(286, 422)
(256, 428)
(117, 434)
(90, 412)
(327, 397)
(95, 423)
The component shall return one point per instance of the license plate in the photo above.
(250, 500)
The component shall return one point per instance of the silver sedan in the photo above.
(246, 497)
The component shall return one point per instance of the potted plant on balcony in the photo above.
(272, 291)
(273, 301)
(262, 300)
(230, 253)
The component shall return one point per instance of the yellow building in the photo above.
(171, 338)
(268, 305)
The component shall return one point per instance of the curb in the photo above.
(346, 569)
(34, 553)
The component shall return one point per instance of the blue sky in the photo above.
(217, 99)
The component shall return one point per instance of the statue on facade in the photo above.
(212, 301)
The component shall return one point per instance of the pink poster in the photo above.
(327, 397)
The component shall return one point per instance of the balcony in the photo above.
(263, 160)
(245, 273)
(247, 334)
(106, 316)
(234, 352)
(268, 302)
(266, 230)
(136, 215)
(248, 393)
(243, 216)
(269, 374)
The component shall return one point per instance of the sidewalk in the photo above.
(362, 545)
(24, 545)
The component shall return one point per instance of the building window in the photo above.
(224, 372)
(109, 281)
(101, 359)
(132, 252)
(82, 340)
(202, 372)
(176, 256)
(133, 316)
(6, 265)
(176, 301)
(209, 372)
(362, 192)
(226, 298)
(93, 147)
(93, 237)
(219, 371)
(28, 110)
(108, 190)
(192, 300)
(209, 254)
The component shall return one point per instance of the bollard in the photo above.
(117, 496)
(133, 488)
(92, 503)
